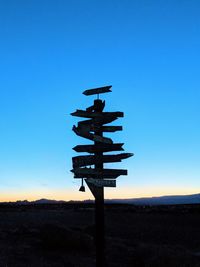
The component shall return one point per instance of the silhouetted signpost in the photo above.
(98, 177)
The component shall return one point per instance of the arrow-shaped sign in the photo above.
(100, 90)
(90, 125)
(99, 148)
(99, 121)
(105, 128)
(81, 161)
(101, 182)
(88, 114)
(95, 173)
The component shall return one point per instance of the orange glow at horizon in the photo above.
(110, 193)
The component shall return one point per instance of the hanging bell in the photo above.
(82, 188)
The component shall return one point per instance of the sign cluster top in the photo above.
(97, 91)
(91, 167)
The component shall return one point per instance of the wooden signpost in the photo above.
(97, 177)
(99, 148)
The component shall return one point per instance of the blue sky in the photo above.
(51, 51)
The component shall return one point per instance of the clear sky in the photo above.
(51, 51)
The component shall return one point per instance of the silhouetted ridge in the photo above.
(163, 200)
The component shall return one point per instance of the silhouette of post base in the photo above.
(99, 231)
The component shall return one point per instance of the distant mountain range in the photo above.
(40, 201)
(37, 202)
(163, 200)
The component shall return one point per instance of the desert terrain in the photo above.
(58, 235)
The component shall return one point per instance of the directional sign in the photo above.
(101, 182)
(99, 148)
(90, 125)
(88, 114)
(81, 161)
(79, 131)
(95, 173)
(100, 90)
(105, 128)
(99, 121)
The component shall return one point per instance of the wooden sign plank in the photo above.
(90, 125)
(94, 173)
(99, 148)
(99, 90)
(98, 121)
(106, 128)
(90, 136)
(104, 120)
(89, 114)
(101, 182)
(82, 161)
(111, 128)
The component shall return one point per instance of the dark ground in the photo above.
(62, 235)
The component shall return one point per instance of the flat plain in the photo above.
(58, 235)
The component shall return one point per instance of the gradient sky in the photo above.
(51, 51)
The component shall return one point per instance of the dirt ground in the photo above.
(62, 236)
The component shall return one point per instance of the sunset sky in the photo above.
(53, 50)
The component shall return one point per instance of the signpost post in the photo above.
(97, 177)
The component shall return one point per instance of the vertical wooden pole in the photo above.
(99, 220)
(99, 215)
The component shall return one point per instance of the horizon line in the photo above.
(82, 200)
